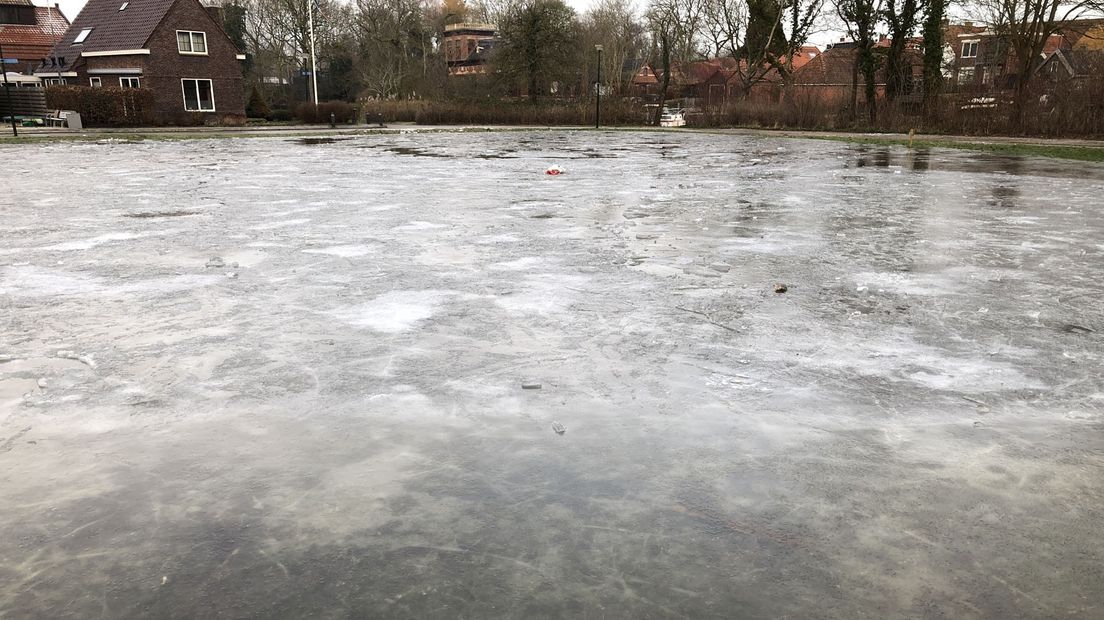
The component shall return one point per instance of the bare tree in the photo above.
(1024, 26)
(540, 45)
(613, 25)
(773, 33)
(861, 18)
(391, 36)
(933, 52)
(902, 17)
(725, 23)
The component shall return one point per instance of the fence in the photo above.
(24, 101)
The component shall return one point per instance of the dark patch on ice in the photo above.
(315, 141)
(542, 216)
(416, 152)
(1070, 328)
(152, 214)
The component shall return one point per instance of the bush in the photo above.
(257, 107)
(281, 115)
(310, 113)
(105, 107)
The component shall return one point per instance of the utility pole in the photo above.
(7, 90)
(598, 90)
(314, 65)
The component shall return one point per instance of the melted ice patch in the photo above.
(393, 312)
(344, 251)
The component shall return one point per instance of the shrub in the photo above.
(257, 107)
(105, 107)
(310, 113)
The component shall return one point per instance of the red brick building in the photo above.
(29, 33)
(467, 48)
(173, 47)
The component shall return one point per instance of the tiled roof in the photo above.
(28, 42)
(804, 55)
(113, 29)
(834, 66)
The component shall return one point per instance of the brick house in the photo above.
(29, 33)
(984, 59)
(467, 48)
(176, 48)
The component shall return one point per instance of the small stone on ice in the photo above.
(559, 428)
(42, 384)
(722, 267)
(780, 288)
(216, 261)
(530, 386)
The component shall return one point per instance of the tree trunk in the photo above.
(855, 89)
(665, 55)
(933, 55)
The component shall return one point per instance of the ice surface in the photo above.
(912, 430)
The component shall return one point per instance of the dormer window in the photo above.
(82, 36)
(189, 42)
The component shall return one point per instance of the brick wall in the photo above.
(166, 66)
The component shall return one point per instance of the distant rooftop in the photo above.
(470, 26)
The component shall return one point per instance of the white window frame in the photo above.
(973, 43)
(55, 81)
(82, 36)
(191, 42)
(95, 82)
(138, 83)
(185, 94)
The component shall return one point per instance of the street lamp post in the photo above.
(7, 91)
(598, 90)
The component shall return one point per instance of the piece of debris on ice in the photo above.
(530, 386)
(72, 355)
(554, 171)
(216, 262)
(721, 267)
(559, 428)
(781, 288)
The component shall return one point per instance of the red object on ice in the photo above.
(554, 170)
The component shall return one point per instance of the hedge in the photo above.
(105, 106)
(343, 112)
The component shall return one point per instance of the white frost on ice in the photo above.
(419, 225)
(281, 224)
(87, 244)
(521, 264)
(344, 251)
(393, 312)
